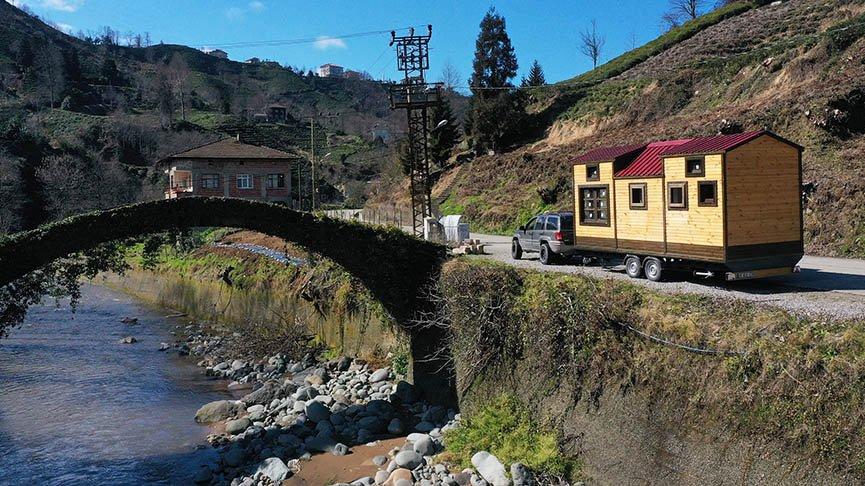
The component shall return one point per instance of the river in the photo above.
(78, 407)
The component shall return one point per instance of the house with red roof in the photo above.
(726, 203)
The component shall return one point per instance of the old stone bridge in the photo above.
(395, 267)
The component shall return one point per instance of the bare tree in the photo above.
(688, 9)
(49, 69)
(682, 11)
(450, 76)
(178, 73)
(592, 43)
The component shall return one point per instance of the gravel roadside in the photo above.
(811, 302)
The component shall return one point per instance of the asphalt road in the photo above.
(826, 286)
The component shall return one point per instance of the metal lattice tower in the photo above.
(415, 95)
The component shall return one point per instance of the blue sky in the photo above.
(543, 30)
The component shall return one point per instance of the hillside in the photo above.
(73, 112)
(797, 68)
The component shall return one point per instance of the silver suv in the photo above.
(551, 235)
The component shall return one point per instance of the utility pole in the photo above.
(416, 96)
(312, 120)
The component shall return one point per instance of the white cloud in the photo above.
(63, 5)
(256, 6)
(234, 13)
(324, 43)
(65, 28)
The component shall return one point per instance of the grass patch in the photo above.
(506, 429)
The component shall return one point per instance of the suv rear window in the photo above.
(567, 222)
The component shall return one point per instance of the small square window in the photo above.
(210, 181)
(695, 167)
(677, 195)
(244, 181)
(275, 181)
(638, 195)
(593, 173)
(707, 193)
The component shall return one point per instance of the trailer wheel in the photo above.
(516, 250)
(653, 268)
(633, 267)
(546, 257)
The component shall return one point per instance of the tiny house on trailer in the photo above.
(728, 204)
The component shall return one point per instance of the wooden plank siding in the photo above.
(599, 236)
(701, 226)
(640, 230)
(763, 191)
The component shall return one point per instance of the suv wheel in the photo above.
(516, 250)
(654, 270)
(546, 255)
(633, 267)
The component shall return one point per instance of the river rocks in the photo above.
(129, 320)
(340, 450)
(408, 459)
(234, 456)
(379, 375)
(490, 468)
(218, 410)
(379, 460)
(425, 427)
(395, 427)
(424, 446)
(235, 427)
(521, 475)
(128, 340)
(316, 411)
(273, 468)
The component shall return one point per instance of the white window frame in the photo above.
(244, 181)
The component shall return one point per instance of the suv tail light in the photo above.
(558, 236)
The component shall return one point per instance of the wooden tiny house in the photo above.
(728, 203)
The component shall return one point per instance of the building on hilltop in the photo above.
(229, 168)
(216, 53)
(331, 71)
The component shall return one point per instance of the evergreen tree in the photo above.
(109, 71)
(496, 114)
(495, 63)
(536, 76)
(442, 138)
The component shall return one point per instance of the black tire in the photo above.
(546, 256)
(633, 267)
(516, 250)
(654, 269)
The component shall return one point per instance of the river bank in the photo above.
(341, 421)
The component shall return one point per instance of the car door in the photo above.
(536, 233)
(525, 234)
(550, 228)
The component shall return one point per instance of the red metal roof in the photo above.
(605, 154)
(649, 163)
(715, 145)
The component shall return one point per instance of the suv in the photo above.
(551, 235)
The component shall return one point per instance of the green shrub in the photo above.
(506, 429)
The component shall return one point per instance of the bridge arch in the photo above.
(395, 267)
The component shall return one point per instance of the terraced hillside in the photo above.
(797, 68)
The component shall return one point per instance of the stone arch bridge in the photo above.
(395, 267)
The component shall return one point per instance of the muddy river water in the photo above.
(78, 407)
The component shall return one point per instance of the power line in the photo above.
(304, 40)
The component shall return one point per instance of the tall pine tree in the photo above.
(495, 113)
(536, 76)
